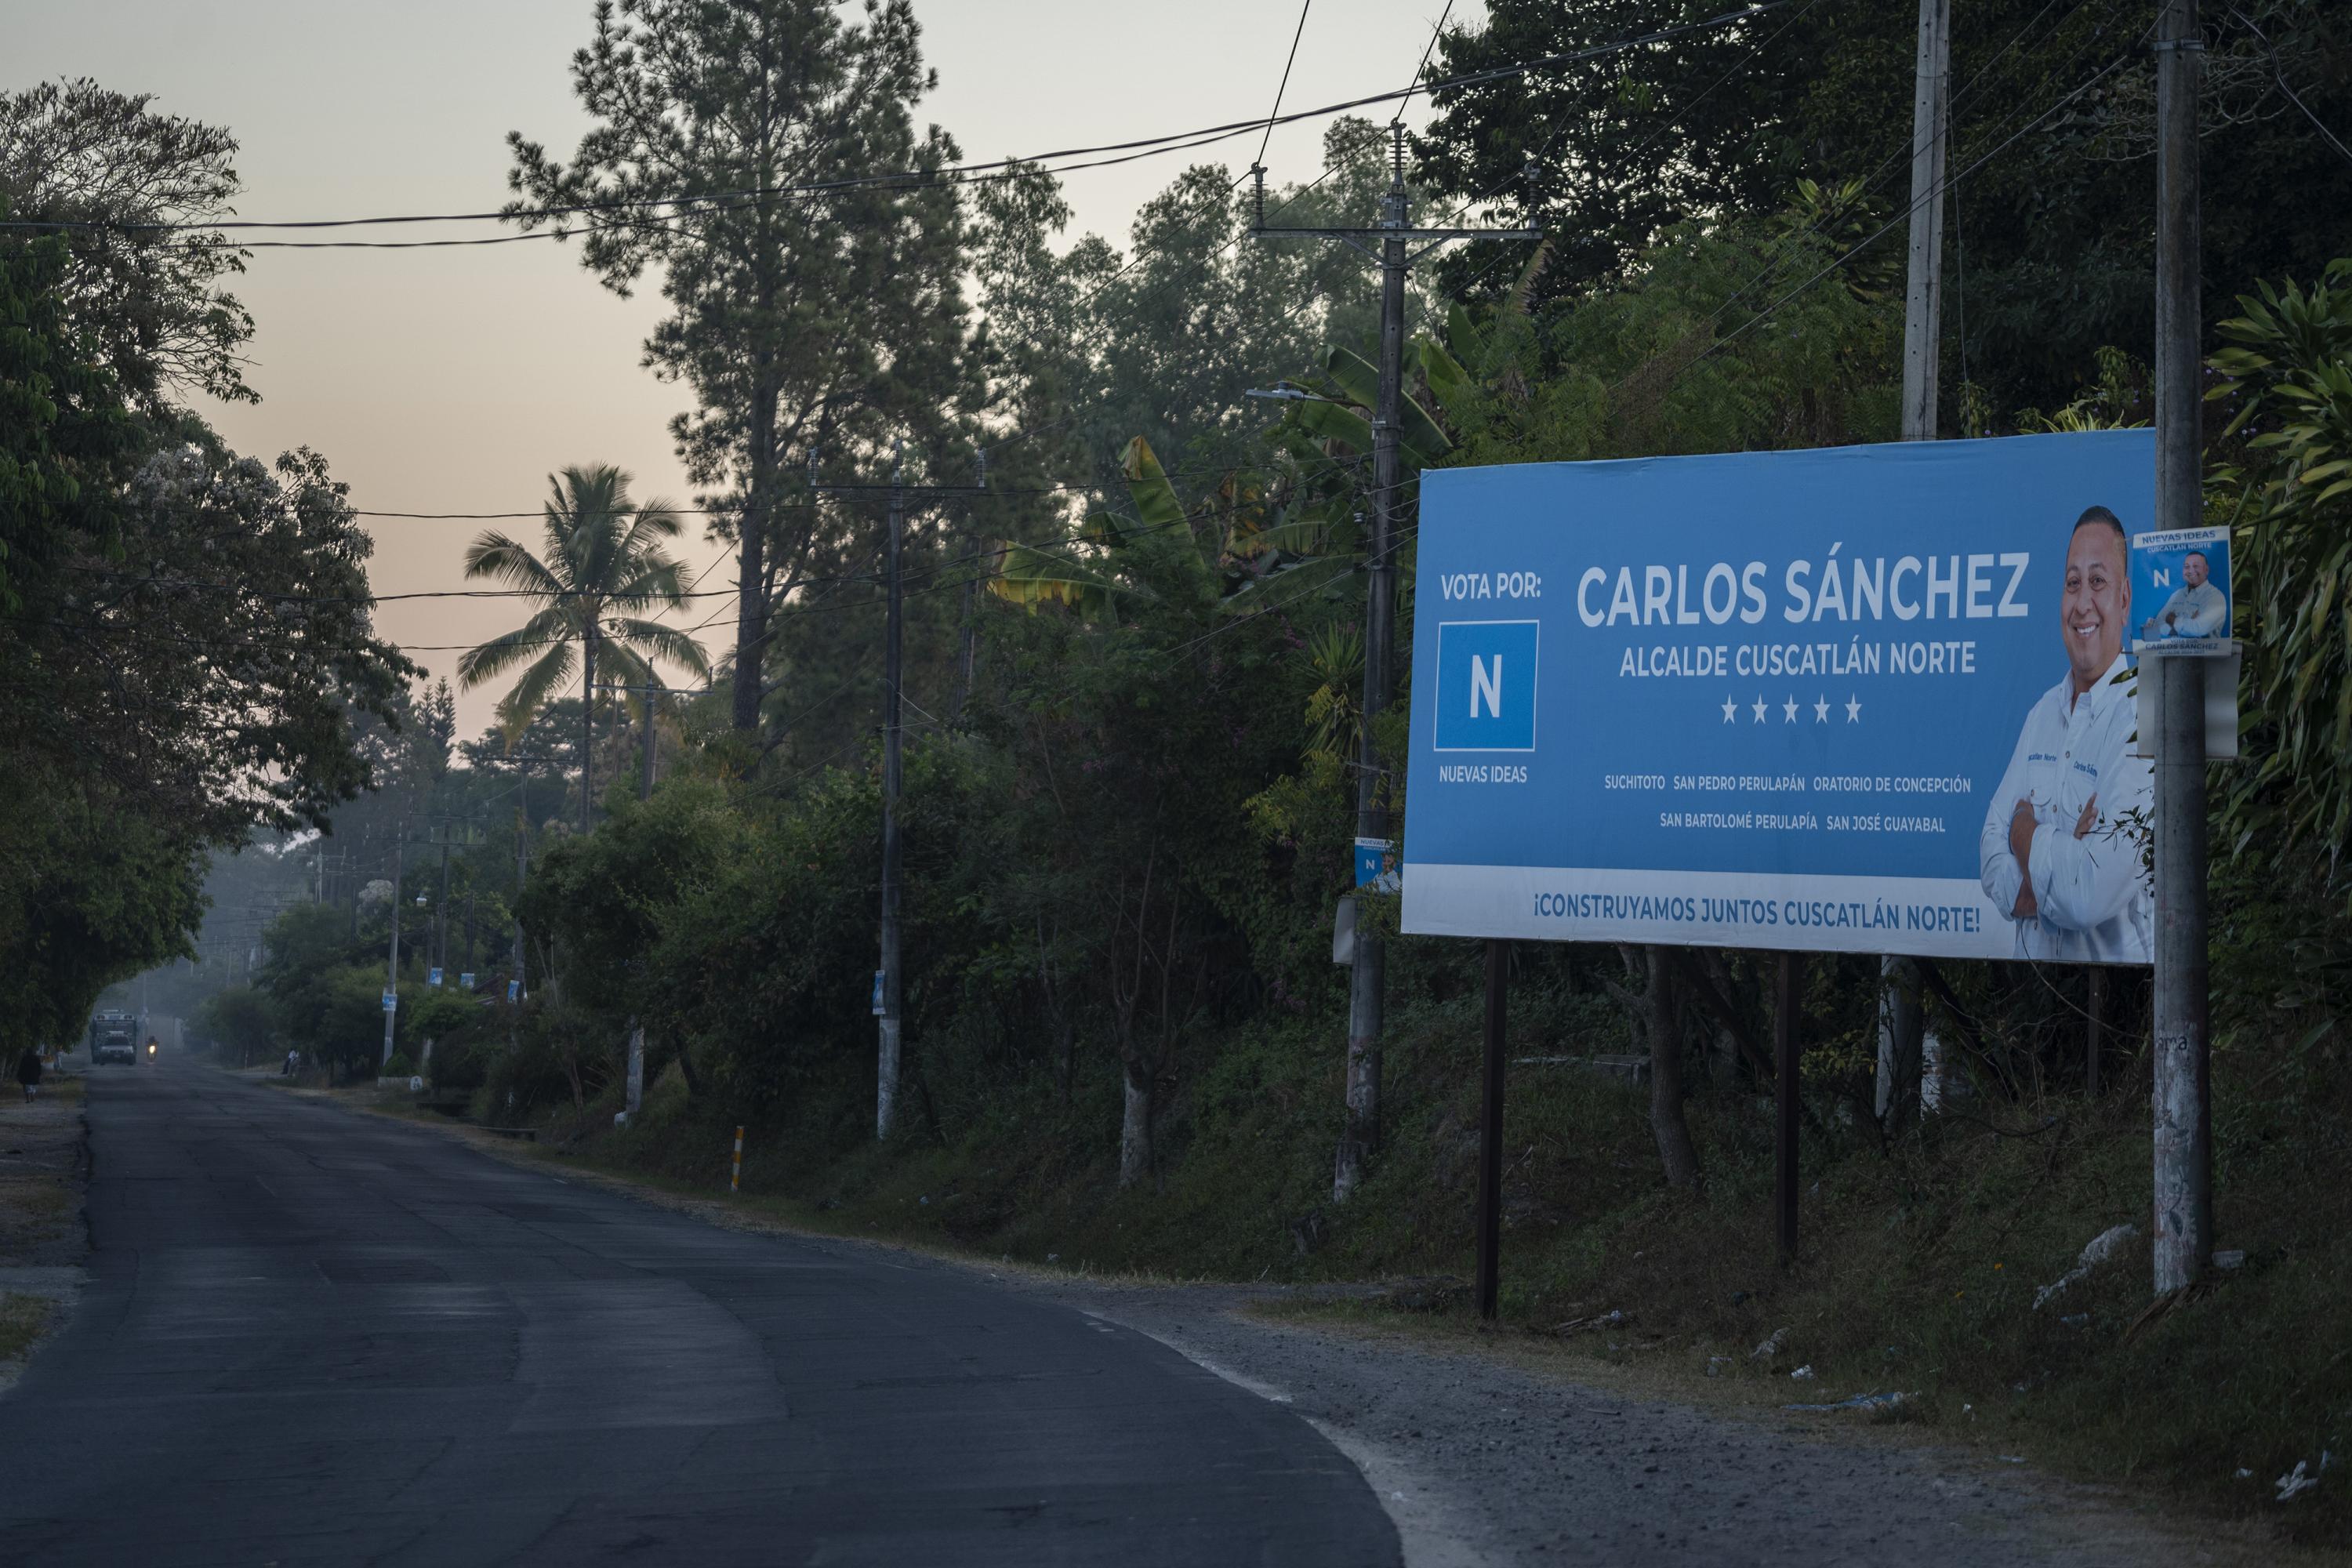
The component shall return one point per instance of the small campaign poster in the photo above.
(1376, 864)
(432, 975)
(1871, 699)
(466, 981)
(391, 1000)
(2180, 586)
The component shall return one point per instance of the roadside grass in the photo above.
(23, 1320)
(35, 1202)
(1917, 1272)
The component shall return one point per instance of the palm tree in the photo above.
(604, 566)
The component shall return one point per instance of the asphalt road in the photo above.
(312, 1336)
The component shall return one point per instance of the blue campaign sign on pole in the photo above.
(2180, 586)
(1864, 699)
(432, 975)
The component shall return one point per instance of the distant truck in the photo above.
(114, 1037)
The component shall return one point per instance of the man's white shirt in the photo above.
(2094, 903)
(2199, 611)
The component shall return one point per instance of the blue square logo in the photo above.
(1486, 696)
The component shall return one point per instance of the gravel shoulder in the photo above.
(1487, 1455)
(1493, 1458)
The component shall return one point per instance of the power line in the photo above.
(2278, 71)
(1297, 34)
(1953, 183)
(1434, 34)
(952, 174)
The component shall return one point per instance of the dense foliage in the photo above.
(184, 632)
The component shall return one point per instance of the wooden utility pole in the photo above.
(2183, 1114)
(1366, 978)
(1900, 1022)
(587, 721)
(1786, 1107)
(1490, 1124)
(645, 775)
(885, 1091)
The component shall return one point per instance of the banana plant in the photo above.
(2288, 368)
(1110, 564)
(1324, 443)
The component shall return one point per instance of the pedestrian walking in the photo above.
(28, 1071)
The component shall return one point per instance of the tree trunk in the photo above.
(1675, 1151)
(751, 563)
(587, 721)
(1135, 1129)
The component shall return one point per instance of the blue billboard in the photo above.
(1864, 699)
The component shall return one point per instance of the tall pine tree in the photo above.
(815, 309)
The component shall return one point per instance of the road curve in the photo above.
(313, 1336)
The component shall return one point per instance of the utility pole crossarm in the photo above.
(1378, 235)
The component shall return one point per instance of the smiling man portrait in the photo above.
(2060, 850)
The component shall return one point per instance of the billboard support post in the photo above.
(1785, 1105)
(2182, 1134)
(1490, 1130)
(2094, 1009)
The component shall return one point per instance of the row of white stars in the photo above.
(1788, 709)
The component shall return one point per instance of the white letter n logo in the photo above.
(1486, 684)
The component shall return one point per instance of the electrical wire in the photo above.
(903, 179)
(1951, 183)
(1297, 34)
(1422, 69)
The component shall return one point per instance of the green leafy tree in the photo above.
(604, 566)
(1129, 705)
(133, 739)
(733, 146)
(145, 289)
(240, 1024)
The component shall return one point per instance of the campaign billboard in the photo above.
(1864, 699)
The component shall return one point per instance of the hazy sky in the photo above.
(457, 380)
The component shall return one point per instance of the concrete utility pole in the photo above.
(2183, 1114)
(392, 969)
(1900, 1023)
(645, 774)
(1367, 972)
(1923, 307)
(885, 1091)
